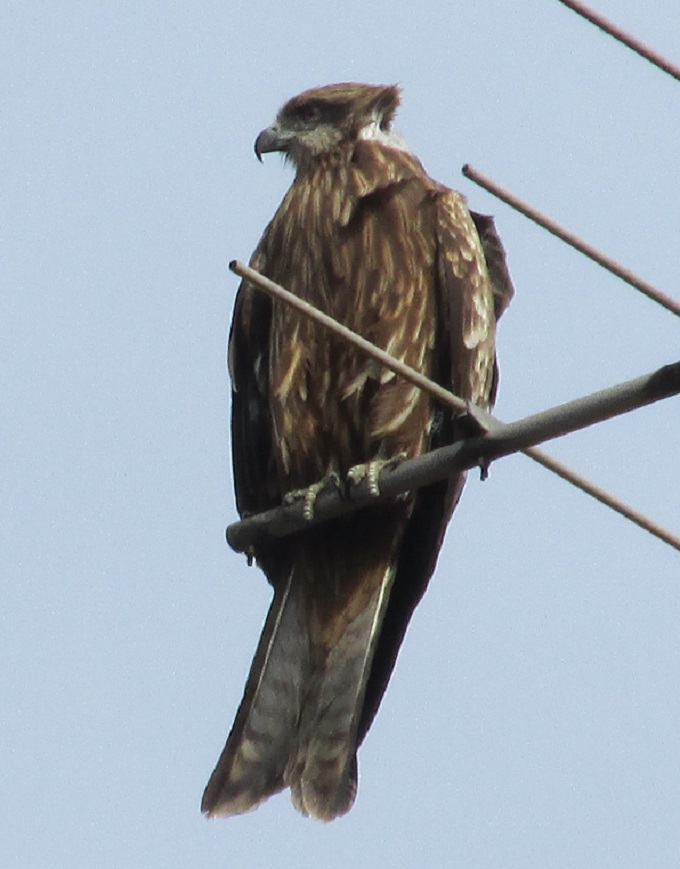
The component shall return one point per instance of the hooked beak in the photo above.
(271, 139)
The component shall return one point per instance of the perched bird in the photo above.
(367, 236)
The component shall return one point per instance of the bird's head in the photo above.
(324, 119)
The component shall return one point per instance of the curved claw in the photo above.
(310, 494)
(370, 471)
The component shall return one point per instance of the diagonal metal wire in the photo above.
(580, 412)
(632, 42)
(649, 290)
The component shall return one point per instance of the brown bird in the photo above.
(365, 235)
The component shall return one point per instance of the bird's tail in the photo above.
(322, 769)
(298, 721)
(251, 766)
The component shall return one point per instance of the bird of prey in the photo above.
(367, 236)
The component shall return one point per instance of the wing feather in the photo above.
(466, 299)
(496, 262)
(255, 480)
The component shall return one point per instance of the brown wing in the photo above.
(256, 482)
(467, 301)
(496, 261)
(254, 470)
(465, 363)
(252, 764)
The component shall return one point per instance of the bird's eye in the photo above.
(309, 113)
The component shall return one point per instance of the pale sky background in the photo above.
(534, 715)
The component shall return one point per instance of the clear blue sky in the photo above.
(534, 715)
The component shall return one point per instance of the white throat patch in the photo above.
(373, 131)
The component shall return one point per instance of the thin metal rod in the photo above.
(463, 455)
(621, 35)
(485, 421)
(649, 290)
(604, 497)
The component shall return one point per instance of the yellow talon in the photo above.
(310, 494)
(370, 471)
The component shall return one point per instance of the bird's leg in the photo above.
(370, 471)
(311, 493)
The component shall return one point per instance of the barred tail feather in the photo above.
(322, 771)
(252, 764)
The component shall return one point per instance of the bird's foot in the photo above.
(370, 471)
(310, 494)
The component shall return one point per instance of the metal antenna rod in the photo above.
(632, 42)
